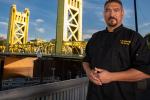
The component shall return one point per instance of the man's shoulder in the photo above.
(95, 35)
(129, 30)
(98, 33)
(132, 33)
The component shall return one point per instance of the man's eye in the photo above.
(108, 10)
(112, 10)
(116, 10)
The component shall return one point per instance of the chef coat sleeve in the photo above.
(87, 57)
(140, 54)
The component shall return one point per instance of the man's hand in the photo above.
(93, 77)
(91, 74)
(104, 75)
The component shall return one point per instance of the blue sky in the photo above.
(43, 15)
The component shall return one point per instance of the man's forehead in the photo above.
(113, 5)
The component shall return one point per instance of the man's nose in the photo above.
(112, 13)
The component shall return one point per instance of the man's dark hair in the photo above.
(110, 1)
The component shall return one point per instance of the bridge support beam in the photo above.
(69, 23)
(18, 26)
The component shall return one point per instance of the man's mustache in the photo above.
(112, 18)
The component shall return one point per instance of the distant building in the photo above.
(37, 40)
(2, 38)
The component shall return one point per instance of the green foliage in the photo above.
(147, 37)
(3, 42)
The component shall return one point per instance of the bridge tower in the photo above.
(69, 23)
(18, 26)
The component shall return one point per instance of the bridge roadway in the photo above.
(44, 55)
(41, 92)
(29, 65)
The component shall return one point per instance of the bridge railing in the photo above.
(76, 47)
(74, 89)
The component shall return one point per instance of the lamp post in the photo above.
(136, 19)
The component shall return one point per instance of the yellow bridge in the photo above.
(68, 33)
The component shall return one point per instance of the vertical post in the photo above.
(42, 69)
(1, 72)
(60, 28)
(136, 19)
(53, 73)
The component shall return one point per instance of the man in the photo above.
(115, 58)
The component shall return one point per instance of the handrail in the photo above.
(74, 89)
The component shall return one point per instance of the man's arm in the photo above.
(129, 75)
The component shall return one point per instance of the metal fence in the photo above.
(74, 89)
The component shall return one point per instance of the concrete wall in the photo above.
(18, 66)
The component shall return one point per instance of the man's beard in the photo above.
(112, 22)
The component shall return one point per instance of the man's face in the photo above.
(113, 14)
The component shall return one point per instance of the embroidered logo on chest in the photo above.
(125, 42)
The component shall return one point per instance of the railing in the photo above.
(74, 89)
(46, 48)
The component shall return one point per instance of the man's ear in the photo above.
(123, 12)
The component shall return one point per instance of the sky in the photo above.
(43, 15)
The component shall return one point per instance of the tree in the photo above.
(3, 41)
(147, 37)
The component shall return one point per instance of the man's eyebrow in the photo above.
(112, 8)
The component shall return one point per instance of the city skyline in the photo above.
(43, 17)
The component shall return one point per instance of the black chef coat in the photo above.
(116, 51)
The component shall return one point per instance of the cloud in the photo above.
(102, 20)
(37, 24)
(7, 1)
(99, 13)
(4, 24)
(93, 10)
(144, 28)
(90, 31)
(129, 13)
(40, 30)
(3, 28)
(129, 18)
(144, 25)
(11, 2)
(39, 20)
(87, 36)
(91, 5)
(3, 35)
